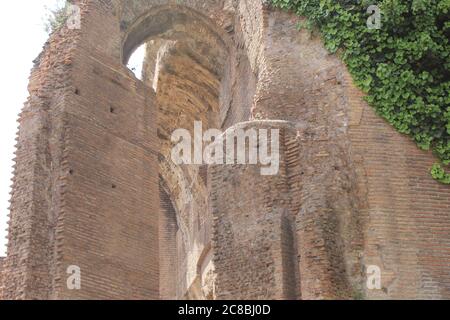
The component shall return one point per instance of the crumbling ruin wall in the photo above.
(94, 186)
(298, 82)
(2, 262)
(191, 75)
(84, 143)
(253, 217)
(407, 213)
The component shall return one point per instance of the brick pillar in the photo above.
(168, 260)
(2, 261)
(299, 82)
(86, 190)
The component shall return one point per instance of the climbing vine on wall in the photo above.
(403, 66)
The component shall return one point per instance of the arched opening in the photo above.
(135, 63)
(185, 62)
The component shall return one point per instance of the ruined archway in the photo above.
(186, 63)
(95, 187)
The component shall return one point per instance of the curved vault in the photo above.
(185, 64)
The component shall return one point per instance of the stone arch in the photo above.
(93, 145)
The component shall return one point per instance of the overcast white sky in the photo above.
(22, 35)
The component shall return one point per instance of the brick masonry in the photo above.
(2, 262)
(95, 186)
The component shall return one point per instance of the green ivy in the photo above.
(402, 66)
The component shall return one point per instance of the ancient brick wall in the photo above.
(2, 262)
(37, 183)
(95, 187)
(192, 78)
(407, 216)
(298, 83)
(110, 212)
(168, 260)
(367, 196)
